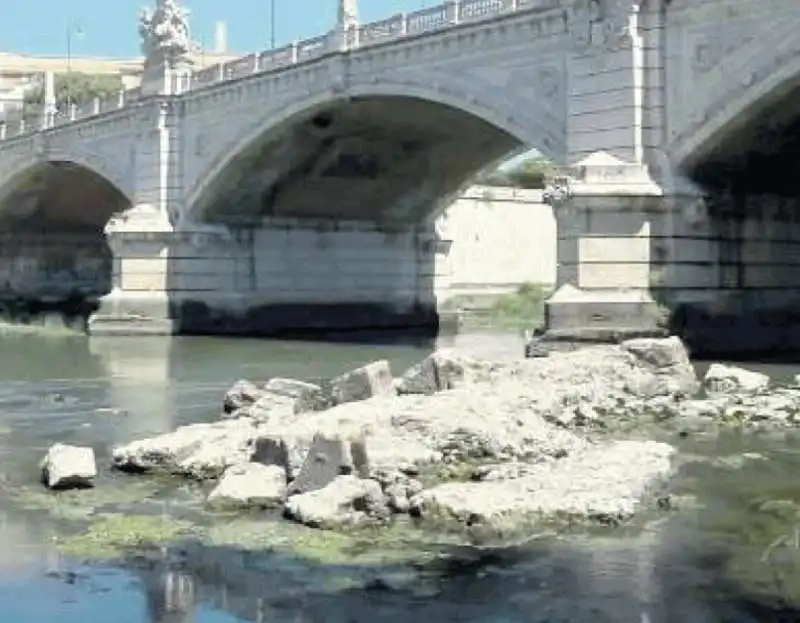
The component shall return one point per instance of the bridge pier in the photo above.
(139, 301)
(627, 252)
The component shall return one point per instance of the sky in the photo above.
(109, 27)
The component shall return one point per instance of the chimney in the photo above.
(220, 38)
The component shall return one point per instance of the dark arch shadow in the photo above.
(749, 170)
(54, 256)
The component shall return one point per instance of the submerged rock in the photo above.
(68, 467)
(722, 379)
(601, 483)
(250, 484)
(346, 501)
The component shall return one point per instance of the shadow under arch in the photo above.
(54, 256)
(745, 157)
(498, 132)
(781, 77)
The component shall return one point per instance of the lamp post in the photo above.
(272, 23)
(68, 36)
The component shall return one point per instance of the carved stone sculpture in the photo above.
(165, 33)
(348, 13)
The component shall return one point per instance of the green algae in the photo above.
(113, 535)
(389, 545)
(82, 503)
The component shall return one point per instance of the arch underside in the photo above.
(59, 196)
(759, 152)
(377, 158)
(53, 249)
(750, 137)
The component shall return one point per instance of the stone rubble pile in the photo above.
(493, 441)
(484, 447)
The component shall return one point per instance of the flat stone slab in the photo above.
(200, 451)
(602, 483)
(250, 485)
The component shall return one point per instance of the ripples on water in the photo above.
(702, 563)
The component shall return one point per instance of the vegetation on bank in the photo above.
(523, 308)
(534, 173)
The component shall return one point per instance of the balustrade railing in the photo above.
(416, 23)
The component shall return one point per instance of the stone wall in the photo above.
(498, 239)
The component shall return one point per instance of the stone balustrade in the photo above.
(398, 26)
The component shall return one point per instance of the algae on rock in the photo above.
(395, 544)
(114, 535)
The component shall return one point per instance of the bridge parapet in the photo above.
(402, 25)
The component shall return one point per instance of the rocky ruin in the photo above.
(491, 449)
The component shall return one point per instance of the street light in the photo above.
(79, 34)
(272, 22)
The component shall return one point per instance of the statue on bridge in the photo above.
(165, 33)
(348, 13)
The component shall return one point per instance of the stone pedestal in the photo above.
(617, 269)
(139, 302)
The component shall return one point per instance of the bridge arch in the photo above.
(522, 124)
(775, 74)
(63, 186)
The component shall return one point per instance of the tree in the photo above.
(76, 88)
(534, 173)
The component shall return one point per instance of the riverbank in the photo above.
(520, 310)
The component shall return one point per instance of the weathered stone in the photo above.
(332, 455)
(242, 394)
(346, 501)
(306, 396)
(250, 484)
(602, 483)
(199, 450)
(439, 371)
(68, 467)
(265, 407)
(446, 369)
(729, 379)
(373, 379)
(277, 394)
(397, 498)
(668, 359)
(535, 348)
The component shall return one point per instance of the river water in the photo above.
(706, 560)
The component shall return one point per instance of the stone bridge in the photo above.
(296, 188)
